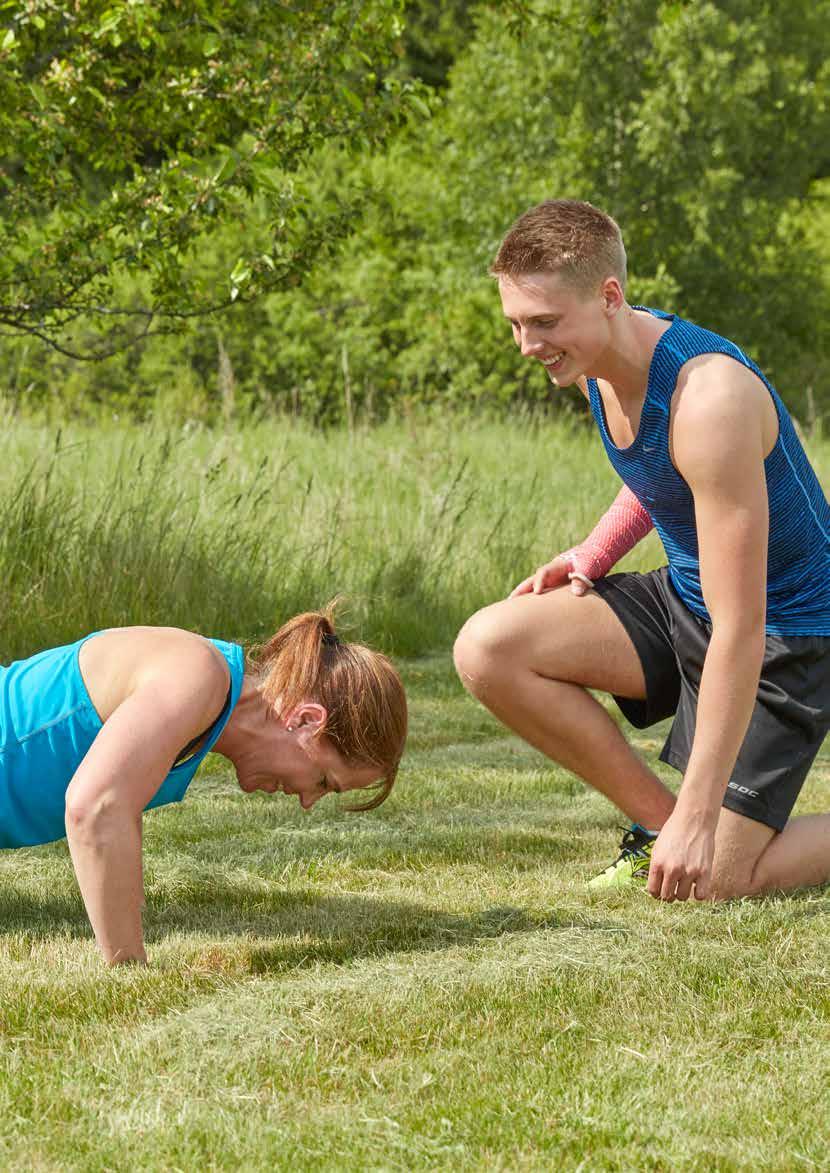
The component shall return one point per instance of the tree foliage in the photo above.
(435, 33)
(130, 130)
(703, 128)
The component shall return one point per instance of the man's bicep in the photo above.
(719, 450)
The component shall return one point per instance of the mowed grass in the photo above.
(428, 986)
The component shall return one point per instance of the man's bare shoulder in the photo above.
(719, 401)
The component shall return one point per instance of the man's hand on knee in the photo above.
(616, 532)
(556, 573)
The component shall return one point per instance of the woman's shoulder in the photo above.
(116, 662)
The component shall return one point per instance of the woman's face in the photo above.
(303, 762)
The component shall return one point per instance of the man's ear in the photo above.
(612, 295)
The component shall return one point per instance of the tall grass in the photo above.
(229, 532)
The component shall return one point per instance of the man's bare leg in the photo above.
(751, 858)
(531, 659)
(797, 858)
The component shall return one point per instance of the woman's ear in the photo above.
(308, 715)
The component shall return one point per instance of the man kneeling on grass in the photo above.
(732, 637)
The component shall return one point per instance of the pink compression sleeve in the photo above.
(616, 532)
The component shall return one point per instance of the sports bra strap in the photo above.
(185, 753)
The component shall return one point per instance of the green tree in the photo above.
(435, 33)
(131, 129)
(703, 128)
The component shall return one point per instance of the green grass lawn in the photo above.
(429, 986)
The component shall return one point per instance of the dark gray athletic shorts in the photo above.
(792, 709)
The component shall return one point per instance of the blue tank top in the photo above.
(798, 563)
(47, 725)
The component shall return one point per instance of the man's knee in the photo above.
(728, 885)
(484, 648)
(737, 869)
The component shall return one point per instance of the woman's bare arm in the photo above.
(174, 699)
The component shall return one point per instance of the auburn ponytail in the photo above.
(359, 688)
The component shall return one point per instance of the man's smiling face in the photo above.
(556, 324)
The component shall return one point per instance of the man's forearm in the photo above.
(728, 688)
(622, 526)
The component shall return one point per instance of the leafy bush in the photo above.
(701, 128)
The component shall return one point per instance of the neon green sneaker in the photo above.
(633, 862)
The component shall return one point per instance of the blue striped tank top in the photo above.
(47, 725)
(798, 564)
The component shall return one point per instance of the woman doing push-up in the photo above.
(94, 733)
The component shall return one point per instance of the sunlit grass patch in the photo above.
(429, 986)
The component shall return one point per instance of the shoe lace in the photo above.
(633, 843)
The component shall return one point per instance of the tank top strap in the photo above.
(174, 786)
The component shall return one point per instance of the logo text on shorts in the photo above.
(743, 790)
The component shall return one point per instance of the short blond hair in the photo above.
(570, 237)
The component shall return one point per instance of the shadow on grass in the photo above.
(469, 836)
(289, 930)
(251, 927)
(306, 928)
